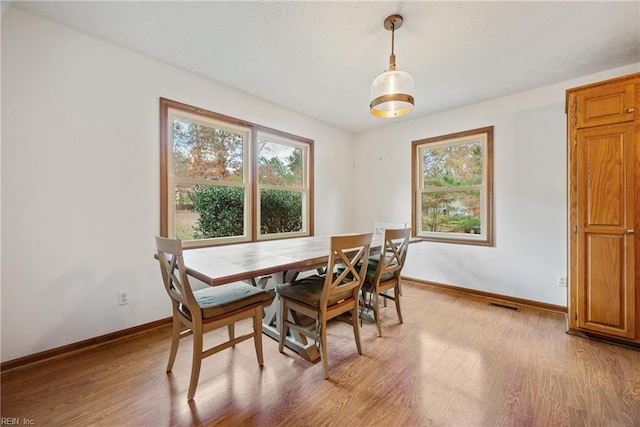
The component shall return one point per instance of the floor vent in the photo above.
(499, 304)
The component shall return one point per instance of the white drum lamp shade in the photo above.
(392, 91)
(391, 94)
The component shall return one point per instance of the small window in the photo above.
(453, 187)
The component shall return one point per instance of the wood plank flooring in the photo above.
(454, 362)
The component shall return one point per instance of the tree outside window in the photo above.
(206, 161)
(452, 187)
(281, 177)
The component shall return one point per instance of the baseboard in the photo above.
(488, 295)
(634, 345)
(65, 350)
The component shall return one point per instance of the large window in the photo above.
(224, 180)
(453, 187)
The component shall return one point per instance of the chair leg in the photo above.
(376, 312)
(257, 334)
(197, 361)
(282, 322)
(356, 328)
(232, 331)
(363, 299)
(397, 299)
(175, 341)
(323, 348)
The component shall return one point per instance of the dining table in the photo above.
(279, 261)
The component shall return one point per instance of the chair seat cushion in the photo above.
(375, 259)
(371, 274)
(217, 300)
(309, 291)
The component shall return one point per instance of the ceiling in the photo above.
(319, 57)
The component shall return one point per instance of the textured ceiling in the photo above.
(319, 58)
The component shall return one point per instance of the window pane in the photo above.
(451, 212)
(452, 165)
(206, 153)
(186, 217)
(208, 211)
(280, 164)
(280, 211)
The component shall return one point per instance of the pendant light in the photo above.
(391, 91)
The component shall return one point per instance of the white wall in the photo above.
(80, 180)
(530, 192)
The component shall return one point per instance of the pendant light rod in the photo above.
(391, 24)
(392, 58)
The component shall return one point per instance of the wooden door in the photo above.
(603, 105)
(605, 219)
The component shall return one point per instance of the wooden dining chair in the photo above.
(325, 297)
(206, 309)
(378, 230)
(383, 273)
(380, 226)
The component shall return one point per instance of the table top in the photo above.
(217, 265)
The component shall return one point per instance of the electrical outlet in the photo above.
(562, 281)
(123, 297)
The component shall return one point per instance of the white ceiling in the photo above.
(320, 57)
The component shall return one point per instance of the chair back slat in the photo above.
(350, 252)
(174, 273)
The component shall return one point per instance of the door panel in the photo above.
(605, 187)
(605, 294)
(605, 178)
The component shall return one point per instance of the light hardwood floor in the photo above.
(455, 361)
